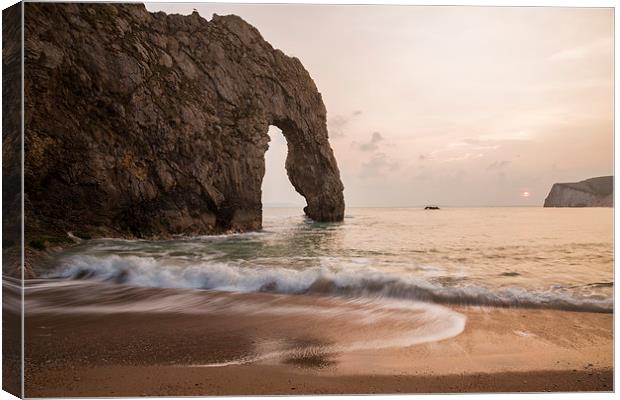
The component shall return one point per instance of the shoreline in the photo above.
(164, 354)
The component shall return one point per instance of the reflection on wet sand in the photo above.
(304, 330)
(87, 338)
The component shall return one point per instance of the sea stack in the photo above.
(148, 125)
(593, 192)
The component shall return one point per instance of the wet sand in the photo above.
(255, 380)
(168, 353)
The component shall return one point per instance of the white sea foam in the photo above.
(361, 281)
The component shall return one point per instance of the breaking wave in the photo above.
(362, 281)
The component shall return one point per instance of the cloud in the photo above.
(377, 166)
(498, 165)
(376, 137)
(464, 149)
(338, 123)
(472, 141)
(372, 145)
(574, 53)
(461, 157)
(368, 147)
(515, 135)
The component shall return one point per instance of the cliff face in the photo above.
(148, 125)
(594, 192)
(11, 142)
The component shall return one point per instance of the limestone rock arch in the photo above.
(144, 124)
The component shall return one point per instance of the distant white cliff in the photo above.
(593, 192)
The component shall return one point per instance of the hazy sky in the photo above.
(455, 106)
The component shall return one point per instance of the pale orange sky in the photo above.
(455, 106)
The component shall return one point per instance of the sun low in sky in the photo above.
(456, 106)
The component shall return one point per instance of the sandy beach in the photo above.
(133, 354)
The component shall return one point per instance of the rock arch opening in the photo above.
(310, 164)
(276, 189)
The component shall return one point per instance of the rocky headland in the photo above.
(149, 125)
(593, 192)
